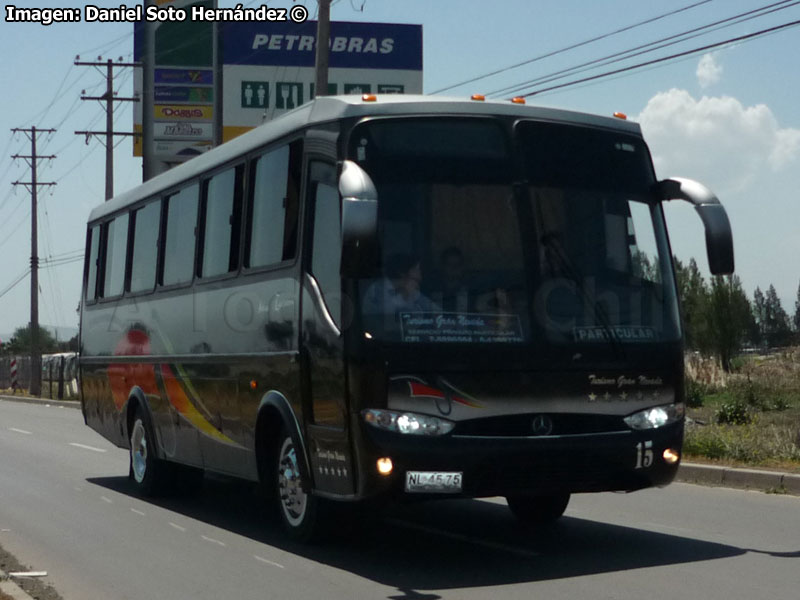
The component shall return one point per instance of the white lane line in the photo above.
(108, 500)
(22, 431)
(85, 447)
(213, 541)
(138, 512)
(465, 538)
(178, 527)
(268, 562)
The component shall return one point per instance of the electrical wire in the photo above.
(648, 47)
(15, 283)
(738, 39)
(573, 46)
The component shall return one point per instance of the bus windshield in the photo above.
(546, 234)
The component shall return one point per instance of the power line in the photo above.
(33, 186)
(573, 46)
(648, 47)
(109, 98)
(741, 38)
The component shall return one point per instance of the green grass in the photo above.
(753, 421)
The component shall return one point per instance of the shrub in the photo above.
(734, 412)
(695, 393)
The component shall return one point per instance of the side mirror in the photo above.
(359, 221)
(719, 238)
(359, 205)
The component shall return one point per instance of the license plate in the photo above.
(433, 481)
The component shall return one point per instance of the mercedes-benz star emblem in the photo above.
(542, 425)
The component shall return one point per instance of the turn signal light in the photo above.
(385, 466)
(478, 97)
(671, 456)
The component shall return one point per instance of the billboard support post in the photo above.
(323, 50)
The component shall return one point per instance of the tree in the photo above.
(796, 318)
(729, 317)
(693, 294)
(760, 314)
(776, 320)
(20, 342)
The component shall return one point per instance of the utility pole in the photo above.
(33, 187)
(323, 50)
(109, 98)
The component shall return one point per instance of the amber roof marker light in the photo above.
(621, 115)
(478, 97)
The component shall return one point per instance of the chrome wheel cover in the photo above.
(139, 451)
(293, 499)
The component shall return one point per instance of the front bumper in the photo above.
(501, 466)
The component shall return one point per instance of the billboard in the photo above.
(268, 69)
(184, 103)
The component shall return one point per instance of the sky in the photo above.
(727, 116)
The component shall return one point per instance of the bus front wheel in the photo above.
(146, 470)
(297, 507)
(538, 510)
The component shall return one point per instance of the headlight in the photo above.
(658, 416)
(406, 422)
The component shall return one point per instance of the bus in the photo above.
(397, 297)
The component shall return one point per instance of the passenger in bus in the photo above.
(399, 289)
(453, 295)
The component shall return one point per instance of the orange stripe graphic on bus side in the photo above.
(178, 398)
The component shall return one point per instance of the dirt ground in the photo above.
(38, 588)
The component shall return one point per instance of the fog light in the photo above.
(385, 466)
(671, 456)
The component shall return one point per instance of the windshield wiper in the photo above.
(566, 268)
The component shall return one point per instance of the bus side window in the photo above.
(179, 243)
(115, 253)
(326, 253)
(221, 217)
(94, 255)
(145, 247)
(274, 206)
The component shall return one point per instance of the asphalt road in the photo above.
(66, 507)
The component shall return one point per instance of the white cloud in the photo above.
(709, 71)
(716, 138)
(751, 163)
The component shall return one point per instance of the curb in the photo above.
(747, 479)
(9, 588)
(41, 401)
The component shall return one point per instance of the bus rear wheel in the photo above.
(297, 507)
(538, 510)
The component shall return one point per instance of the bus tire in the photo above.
(538, 510)
(298, 509)
(148, 473)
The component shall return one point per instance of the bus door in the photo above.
(322, 348)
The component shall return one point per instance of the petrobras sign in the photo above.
(269, 67)
(352, 45)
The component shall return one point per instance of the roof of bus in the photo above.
(332, 108)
